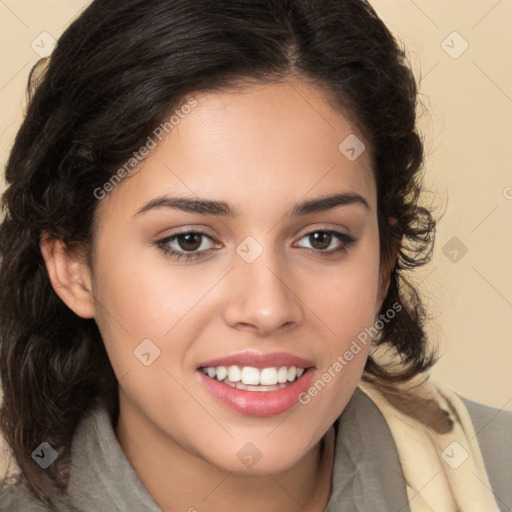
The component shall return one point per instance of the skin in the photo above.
(262, 150)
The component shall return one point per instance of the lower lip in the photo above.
(258, 403)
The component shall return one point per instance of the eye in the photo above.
(322, 241)
(185, 245)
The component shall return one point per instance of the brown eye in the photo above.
(323, 242)
(189, 241)
(187, 245)
(320, 239)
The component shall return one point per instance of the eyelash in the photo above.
(347, 240)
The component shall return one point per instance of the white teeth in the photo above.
(234, 374)
(282, 374)
(245, 387)
(222, 372)
(250, 376)
(268, 377)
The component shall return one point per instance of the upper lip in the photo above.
(273, 359)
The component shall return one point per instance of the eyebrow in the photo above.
(221, 208)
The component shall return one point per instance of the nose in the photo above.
(261, 297)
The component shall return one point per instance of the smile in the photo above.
(257, 385)
(253, 379)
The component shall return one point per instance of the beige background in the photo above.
(469, 136)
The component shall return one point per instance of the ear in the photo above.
(69, 274)
(385, 272)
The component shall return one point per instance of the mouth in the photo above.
(257, 385)
(249, 378)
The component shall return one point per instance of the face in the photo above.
(229, 325)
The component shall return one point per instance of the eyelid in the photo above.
(329, 228)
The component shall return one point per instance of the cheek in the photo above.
(347, 308)
(139, 300)
(148, 319)
(346, 298)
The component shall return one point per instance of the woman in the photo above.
(211, 211)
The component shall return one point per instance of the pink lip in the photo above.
(258, 403)
(274, 359)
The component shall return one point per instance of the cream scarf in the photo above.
(443, 472)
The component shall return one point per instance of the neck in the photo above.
(180, 480)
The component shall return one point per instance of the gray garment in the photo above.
(367, 475)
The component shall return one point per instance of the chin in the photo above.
(258, 457)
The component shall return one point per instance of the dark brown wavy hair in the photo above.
(118, 70)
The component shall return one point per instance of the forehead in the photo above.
(267, 144)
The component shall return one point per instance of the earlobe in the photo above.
(69, 275)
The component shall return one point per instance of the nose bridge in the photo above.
(260, 293)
